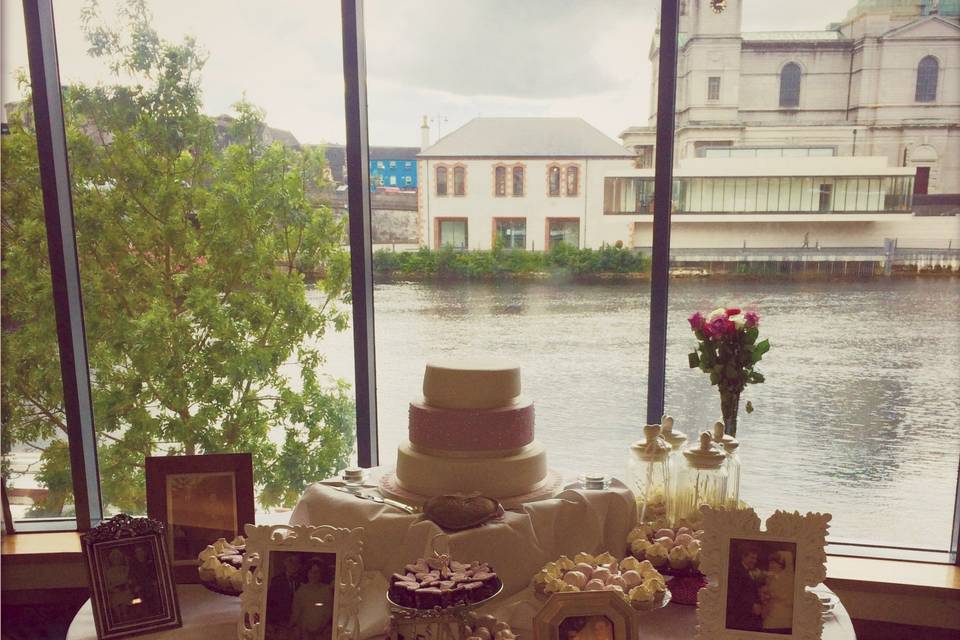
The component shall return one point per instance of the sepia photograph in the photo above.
(300, 595)
(131, 581)
(586, 628)
(201, 507)
(761, 586)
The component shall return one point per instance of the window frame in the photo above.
(512, 219)
(928, 80)
(574, 171)
(553, 169)
(438, 182)
(514, 170)
(67, 295)
(550, 220)
(438, 225)
(790, 95)
(713, 88)
(500, 181)
(460, 169)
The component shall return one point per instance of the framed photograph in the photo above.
(585, 615)
(199, 499)
(301, 582)
(131, 587)
(759, 579)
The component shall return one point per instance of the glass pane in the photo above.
(36, 460)
(212, 237)
(863, 368)
(551, 117)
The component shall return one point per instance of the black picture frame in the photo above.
(131, 584)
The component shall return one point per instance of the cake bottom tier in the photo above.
(433, 475)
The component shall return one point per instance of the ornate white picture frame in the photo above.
(271, 549)
(754, 592)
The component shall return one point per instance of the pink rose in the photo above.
(751, 318)
(719, 328)
(696, 321)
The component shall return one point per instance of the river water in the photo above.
(859, 415)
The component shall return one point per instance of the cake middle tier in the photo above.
(471, 430)
(431, 475)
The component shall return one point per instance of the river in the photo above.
(859, 415)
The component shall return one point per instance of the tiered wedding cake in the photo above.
(473, 432)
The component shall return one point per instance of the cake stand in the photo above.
(550, 486)
(446, 621)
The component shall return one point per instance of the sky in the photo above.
(451, 60)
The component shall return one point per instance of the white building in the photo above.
(883, 82)
(522, 182)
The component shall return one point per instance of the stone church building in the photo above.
(885, 81)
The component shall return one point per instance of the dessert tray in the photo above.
(550, 486)
(438, 612)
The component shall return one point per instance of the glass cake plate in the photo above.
(439, 612)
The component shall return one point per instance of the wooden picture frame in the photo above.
(287, 580)
(579, 609)
(199, 499)
(754, 592)
(131, 586)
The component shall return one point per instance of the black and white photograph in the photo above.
(761, 586)
(201, 507)
(300, 595)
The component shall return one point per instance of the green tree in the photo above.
(192, 244)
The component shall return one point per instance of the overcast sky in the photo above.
(452, 60)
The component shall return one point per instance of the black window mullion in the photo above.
(361, 238)
(64, 266)
(662, 192)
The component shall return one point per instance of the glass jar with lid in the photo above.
(730, 446)
(702, 481)
(649, 475)
(678, 442)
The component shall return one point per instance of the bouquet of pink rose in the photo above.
(728, 351)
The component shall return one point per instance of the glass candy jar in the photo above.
(730, 446)
(678, 442)
(649, 475)
(702, 481)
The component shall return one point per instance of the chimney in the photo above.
(424, 134)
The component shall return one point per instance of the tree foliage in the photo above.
(192, 243)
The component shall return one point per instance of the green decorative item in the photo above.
(728, 351)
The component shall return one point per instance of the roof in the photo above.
(393, 153)
(526, 137)
(792, 36)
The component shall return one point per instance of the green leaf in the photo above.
(694, 360)
(749, 407)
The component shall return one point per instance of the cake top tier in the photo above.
(471, 383)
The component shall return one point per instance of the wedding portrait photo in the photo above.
(132, 582)
(300, 594)
(586, 628)
(201, 507)
(760, 586)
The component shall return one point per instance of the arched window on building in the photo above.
(927, 72)
(500, 181)
(518, 181)
(554, 181)
(459, 181)
(790, 85)
(441, 181)
(573, 180)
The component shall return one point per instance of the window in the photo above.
(564, 231)
(518, 181)
(573, 180)
(500, 181)
(393, 181)
(407, 180)
(510, 233)
(790, 85)
(713, 88)
(452, 233)
(553, 180)
(380, 164)
(927, 73)
(441, 181)
(393, 164)
(644, 157)
(408, 164)
(459, 181)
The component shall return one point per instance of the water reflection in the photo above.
(858, 415)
